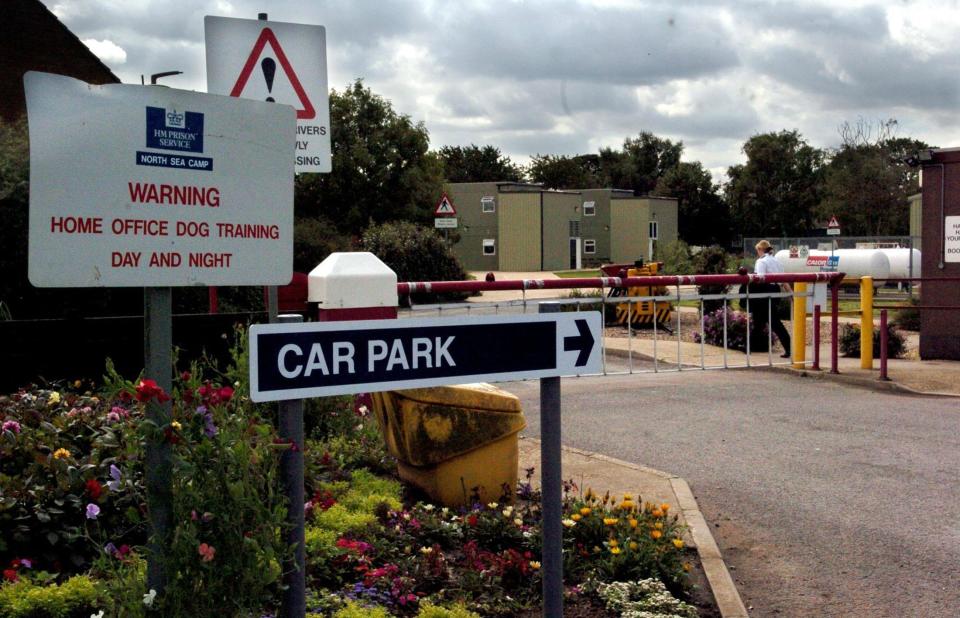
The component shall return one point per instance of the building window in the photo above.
(589, 209)
(574, 227)
(488, 204)
(589, 246)
(654, 230)
(489, 246)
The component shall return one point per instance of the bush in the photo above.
(354, 610)
(850, 341)
(909, 317)
(415, 253)
(313, 241)
(711, 261)
(432, 611)
(736, 330)
(675, 257)
(75, 597)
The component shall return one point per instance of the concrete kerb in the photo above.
(722, 587)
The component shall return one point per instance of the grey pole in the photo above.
(551, 486)
(158, 365)
(294, 604)
(272, 303)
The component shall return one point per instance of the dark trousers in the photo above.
(759, 319)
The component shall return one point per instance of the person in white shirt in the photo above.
(768, 265)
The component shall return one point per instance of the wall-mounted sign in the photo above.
(951, 240)
(445, 223)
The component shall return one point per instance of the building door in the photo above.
(574, 245)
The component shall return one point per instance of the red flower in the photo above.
(94, 489)
(148, 389)
(225, 393)
(472, 520)
(10, 575)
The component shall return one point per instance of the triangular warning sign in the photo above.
(267, 36)
(833, 222)
(445, 206)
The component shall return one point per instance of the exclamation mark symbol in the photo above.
(269, 68)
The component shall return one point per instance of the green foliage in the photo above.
(866, 183)
(355, 610)
(76, 597)
(564, 172)
(774, 193)
(850, 341)
(712, 260)
(478, 164)
(703, 215)
(382, 170)
(428, 610)
(14, 161)
(415, 253)
(676, 258)
(313, 240)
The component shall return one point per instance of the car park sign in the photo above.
(293, 361)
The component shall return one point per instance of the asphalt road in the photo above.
(826, 500)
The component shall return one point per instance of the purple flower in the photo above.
(13, 426)
(209, 429)
(110, 549)
(113, 417)
(114, 484)
(92, 511)
(26, 563)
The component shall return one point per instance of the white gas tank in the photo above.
(855, 263)
(901, 264)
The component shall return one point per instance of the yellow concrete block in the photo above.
(450, 439)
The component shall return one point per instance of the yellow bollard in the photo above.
(866, 322)
(799, 336)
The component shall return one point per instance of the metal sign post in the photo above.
(551, 487)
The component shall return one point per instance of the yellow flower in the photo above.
(492, 505)
(658, 525)
(585, 510)
(610, 521)
(628, 496)
(60, 453)
(615, 550)
(518, 521)
(686, 566)
(77, 384)
(576, 517)
(569, 523)
(54, 398)
(633, 523)
(176, 425)
(614, 542)
(426, 550)
(656, 534)
(678, 543)
(590, 496)
(534, 565)
(657, 513)
(664, 507)
(633, 545)
(626, 505)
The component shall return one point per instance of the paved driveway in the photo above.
(827, 500)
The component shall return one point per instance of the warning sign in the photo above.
(277, 62)
(833, 227)
(445, 207)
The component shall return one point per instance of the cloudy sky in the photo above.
(571, 76)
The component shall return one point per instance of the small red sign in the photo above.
(817, 260)
(833, 223)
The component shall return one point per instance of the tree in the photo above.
(703, 215)
(642, 162)
(563, 172)
(775, 192)
(382, 170)
(478, 164)
(867, 183)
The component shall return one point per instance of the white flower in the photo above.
(518, 521)
(507, 512)
(444, 510)
(569, 523)
(97, 615)
(427, 507)
(492, 505)
(149, 597)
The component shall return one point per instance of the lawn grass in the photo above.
(570, 274)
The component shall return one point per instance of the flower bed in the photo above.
(72, 495)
